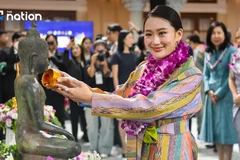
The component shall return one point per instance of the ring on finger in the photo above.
(66, 89)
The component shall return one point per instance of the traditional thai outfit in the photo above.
(167, 109)
(217, 123)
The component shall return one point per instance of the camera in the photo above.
(101, 55)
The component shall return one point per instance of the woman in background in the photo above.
(76, 67)
(124, 61)
(198, 56)
(87, 44)
(217, 125)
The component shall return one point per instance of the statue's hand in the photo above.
(69, 136)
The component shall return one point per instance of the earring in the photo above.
(176, 44)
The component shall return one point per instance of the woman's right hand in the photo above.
(70, 45)
(68, 83)
(94, 58)
(236, 100)
(212, 96)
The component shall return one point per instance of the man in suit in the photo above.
(55, 61)
(10, 70)
(3, 64)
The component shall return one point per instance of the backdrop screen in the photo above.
(64, 30)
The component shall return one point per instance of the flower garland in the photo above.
(155, 74)
(233, 66)
(218, 60)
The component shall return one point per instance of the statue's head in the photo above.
(33, 51)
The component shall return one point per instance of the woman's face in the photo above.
(100, 48)
(238, 38)
(87, 45)
(193, 45)
(217, 37)
(128, 41)
(76, 50)
(160, 37)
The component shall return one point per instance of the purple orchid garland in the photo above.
(232, 65)
(155, 74)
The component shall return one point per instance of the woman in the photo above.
(144, 53)
(237, 44)
(234, 84)
(217, 126)
(87, 44)
(198, 56)
(76, 67)
(158, 98)
(124, 61)
(100, 129)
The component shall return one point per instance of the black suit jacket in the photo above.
(54, 98)
(9, 74)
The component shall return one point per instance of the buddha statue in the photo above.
(31, 142)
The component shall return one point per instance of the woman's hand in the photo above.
(72, 88)
(94, 58)
(70, 45)
(213, 96)
(236, 100)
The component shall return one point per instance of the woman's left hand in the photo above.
(76, 90)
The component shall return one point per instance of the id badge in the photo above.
(99, 78)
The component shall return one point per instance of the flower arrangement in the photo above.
(9, 115)
(83, 156)
(235, 60)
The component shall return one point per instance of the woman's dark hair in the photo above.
(99, 36)
(140, 42)
(168, 14)
(86, 38)
(82, 57)
(51, 35)
(114, 27)
(121, 37)
(210, 45)
(99, 42)
(194, 38)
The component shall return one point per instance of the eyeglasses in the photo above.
(50, 43)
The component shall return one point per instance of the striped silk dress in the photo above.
(168, 109)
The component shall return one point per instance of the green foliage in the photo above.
(6, 151)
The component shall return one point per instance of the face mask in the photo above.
(15, 46)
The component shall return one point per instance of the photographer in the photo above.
(99, 66)
(100, 138)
